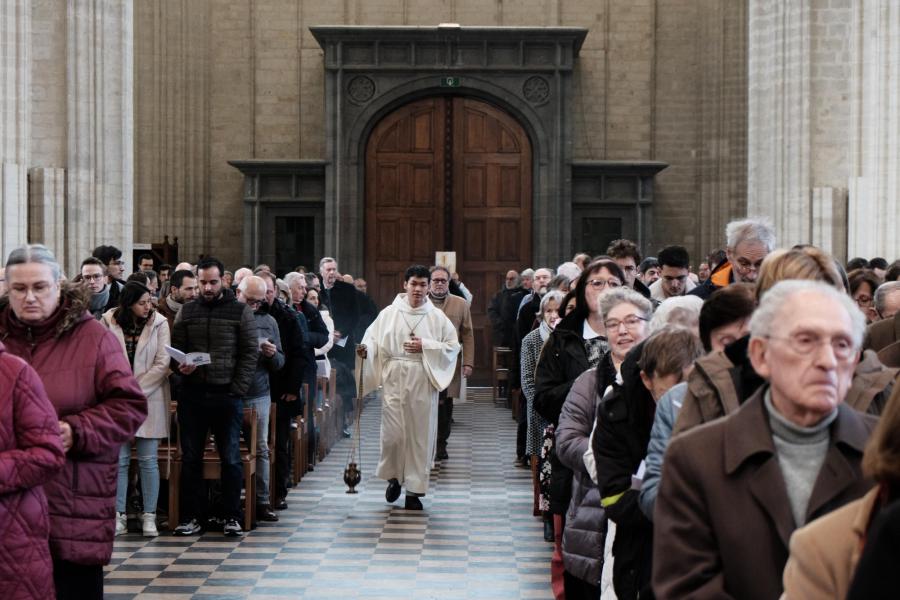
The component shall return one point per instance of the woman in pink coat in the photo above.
(30, 454)
(98, 403)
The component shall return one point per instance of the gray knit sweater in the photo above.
(801, 454)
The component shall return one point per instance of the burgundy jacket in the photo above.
(30, 454)
(89, 381)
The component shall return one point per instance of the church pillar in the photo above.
(874, 140)
(15, 119)
(100, 154)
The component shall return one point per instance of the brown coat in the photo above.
(712, 394)
(825, 552)
(723, 520)
(882, 333)
(457, 310)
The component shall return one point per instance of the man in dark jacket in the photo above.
(212, 397)
(501, 332)
(111, 257)
(733, 491)
(628, 257)
(93, 275)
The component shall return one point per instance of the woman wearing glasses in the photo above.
(576, 345)
(143, 334)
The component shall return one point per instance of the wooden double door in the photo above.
(448, 173)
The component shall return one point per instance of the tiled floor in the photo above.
(476, 537)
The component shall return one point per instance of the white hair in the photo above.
(326, 260)
(570, 270)
(527, 273)
(764, 319)
(293, 276)
(549, 297)
(881, 294)
(753, 229)
(677, 310)
(624, 295)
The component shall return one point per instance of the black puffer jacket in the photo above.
(621, 436)
(289, 380)
(225, 329)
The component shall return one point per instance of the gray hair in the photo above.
(763, 322)
(324, 260)
(548, 269)
(293, 276)
(570, 270)
(881, 294)
(311, 279)
(34, 253)
(548, 297)
(754, 229)
(678, 310)
(624, 295)
(527, 273)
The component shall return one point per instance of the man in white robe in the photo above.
(410, 351)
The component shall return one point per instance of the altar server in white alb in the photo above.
(410, 350)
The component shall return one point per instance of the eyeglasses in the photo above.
(97, 277)
(864, 300)
(630, 322)
(438, 280)
(254, 303)
(599, 284)
(745, 266)
(805, 343)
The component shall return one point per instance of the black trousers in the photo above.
(77, 582)
(445, 420)
(522, 428)
(282, 451)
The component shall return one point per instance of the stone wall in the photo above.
(250, 75)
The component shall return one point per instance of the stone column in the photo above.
(99, 179)
(874, 140)
(15, 120)
(47, 208)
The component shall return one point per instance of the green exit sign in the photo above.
(449, 81)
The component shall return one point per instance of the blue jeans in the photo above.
(199, 411)
(147, 461)
(262, 404)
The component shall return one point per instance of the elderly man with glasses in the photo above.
(733, 491)
(748, 242)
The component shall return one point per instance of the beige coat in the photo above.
(151, 370)
(457, 310)
(825, 552)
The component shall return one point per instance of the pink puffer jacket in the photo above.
(30, 454)
(89, 381)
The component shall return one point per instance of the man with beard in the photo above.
(457, 310)
(93, 274)
(410, 351)
(182, 289)
(212, 395)
(502, 325)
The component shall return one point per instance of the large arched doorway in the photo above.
(448, 173)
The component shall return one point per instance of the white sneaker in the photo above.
(148, 525)
(121, 523)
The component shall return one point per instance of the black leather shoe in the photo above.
(441, 454)
(413, 503)
(393, 490)
(280, 504)
(264, 513)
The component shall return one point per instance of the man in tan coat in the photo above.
(457, 310)
(733, 490)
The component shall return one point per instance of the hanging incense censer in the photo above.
(353, 474)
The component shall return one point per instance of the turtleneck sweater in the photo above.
(801, 453)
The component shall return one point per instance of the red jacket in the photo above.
(30, 454)
(89, 381)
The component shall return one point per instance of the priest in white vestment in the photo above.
(410, 351)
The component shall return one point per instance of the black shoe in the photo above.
(264, 513)
(413, 503)
(548, 532)
(522, 462)
(280, 504)
(441, 454)
(393, 490)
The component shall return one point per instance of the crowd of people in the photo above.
(729, 433)
(711, 432)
